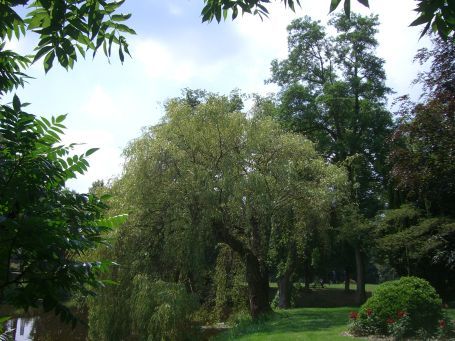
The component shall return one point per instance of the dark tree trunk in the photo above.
(284, 291)
(258, 286)
(347, 279)
(307, 275)
(257, 276)
(360, 292)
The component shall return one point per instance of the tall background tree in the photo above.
(418, 234)
(333, 91)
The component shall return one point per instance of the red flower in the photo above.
(390, 320)
(353, 315)
(442, 324)
(401, 314)
(369, 312)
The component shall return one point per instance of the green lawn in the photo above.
(310, 324)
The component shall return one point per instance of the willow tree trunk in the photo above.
(360, 267)
(284, 291)
(258, 286)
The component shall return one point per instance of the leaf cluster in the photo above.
(66, 29)
(217, 9)
(439, 15)
(45, 229)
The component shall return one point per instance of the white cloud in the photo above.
(180, 52)
(104, 105)
(268, 36)
(175, 10)
(160, 62)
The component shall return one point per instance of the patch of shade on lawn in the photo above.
(310, 324)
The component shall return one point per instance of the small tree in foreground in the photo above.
(44, 227)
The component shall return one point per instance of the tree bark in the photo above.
(360, 292)
(347, 279)
(284, 291)
(258, 286)
(257, 276)
(307, 275)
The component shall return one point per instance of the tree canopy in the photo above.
(65, 29)
(417, 236)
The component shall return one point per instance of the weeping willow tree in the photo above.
(205, 177)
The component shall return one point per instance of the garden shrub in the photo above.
(399, 308)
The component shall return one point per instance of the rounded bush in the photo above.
(411, 298)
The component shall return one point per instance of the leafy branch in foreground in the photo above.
(437, 15)
(66, 29)
(45, 229)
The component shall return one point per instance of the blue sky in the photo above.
(109, 103)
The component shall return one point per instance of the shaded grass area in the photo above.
(368, 287)
(331, 296)
(294, 324)
(327, 297)
(450, 313)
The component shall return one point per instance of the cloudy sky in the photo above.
(109, 103)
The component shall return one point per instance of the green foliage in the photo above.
(413, 243)
(142, 309)
(229, 284)
(161, 310)
(419, 237)
(3, 334)
(11, 65)
(437, 15)
(410, 301)
(422, 157)
(207, 176)
(446, 328)
(217, 9)
(65, 29)
(48, 232)
(333, 91)
(45, 228)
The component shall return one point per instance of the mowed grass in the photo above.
(310, 324)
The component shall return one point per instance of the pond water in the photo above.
(45, 327)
